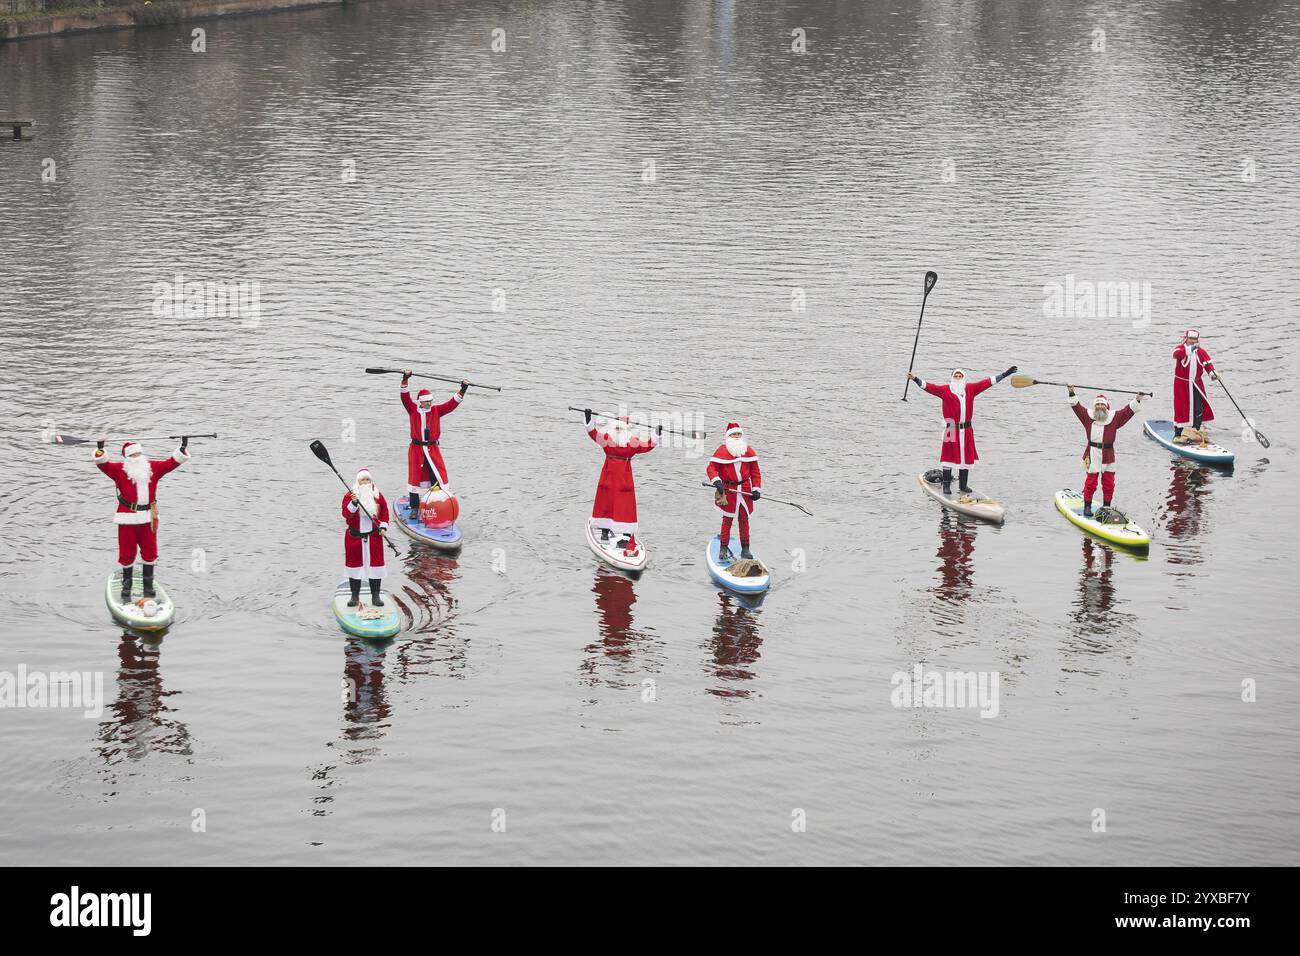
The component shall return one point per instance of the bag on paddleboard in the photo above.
(746, 568)
(438, 508)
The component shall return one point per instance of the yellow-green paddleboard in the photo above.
(1124, 533)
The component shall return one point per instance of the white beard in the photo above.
(138, 469)
(368, 496)
(736, 447)
(957, 384)
(619, 435)
(1101, 417)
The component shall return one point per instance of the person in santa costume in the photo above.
(614, 511)
(136, 478)
(424, 464)
(1101, 423)
(958, 447)
(366, 512)
(1191, 405)
(735, 475)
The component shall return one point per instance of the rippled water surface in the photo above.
(649, 188)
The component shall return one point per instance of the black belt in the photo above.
(360, 534)
(1102, 444)
(961, 424)
(132, 506)
(416, 441)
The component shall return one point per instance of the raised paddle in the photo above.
(58, 439)
(930, 279)
(320, 451)
(675, 431)
(1024, 381)
(709, 484)
(1259, 435)
(440, 378)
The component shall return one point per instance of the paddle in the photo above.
(930, 279)
(1259, 435)
(440, 378)
(709, 484)
(675, 431)
(1024, 381)
(320, 451)
(58, 439)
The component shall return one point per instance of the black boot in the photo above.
(1087, 509)
(375, 599)
(745, 552)
(604, 534)
(947, 481)
(355, 584)
(962, 476)
(1178, 431)
(127, 573)
(147, 580)
(414, 499)
(724, 555)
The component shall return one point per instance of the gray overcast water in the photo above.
(989, 142)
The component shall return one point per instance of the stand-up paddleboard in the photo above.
(721, 573)
(1109, 524)
(138, 612)
(445, 539)
(365, 620)
(633, 561)
(1209, 453)
(970, 503)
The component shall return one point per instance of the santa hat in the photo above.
(734, 429)
(131, 448)
(1101, 400)
(424, 395)
(956, 372)
(364, 473)
(1191, 334)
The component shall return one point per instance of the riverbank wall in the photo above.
(26, 19)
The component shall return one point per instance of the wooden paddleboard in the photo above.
(970, 503)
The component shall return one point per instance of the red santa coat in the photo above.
(958, 447)
(134, 498)
(738, 474)
(424, 461)
(1100, 449)
(615, 505)
(363, 545)
(1189, 365)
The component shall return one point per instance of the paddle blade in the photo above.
(1259, 437)
(1022, 381)
(931, 278)
(320, 451)
(379, 371)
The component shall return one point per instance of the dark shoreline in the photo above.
(90, 18)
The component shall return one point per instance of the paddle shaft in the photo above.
(1098, 388)
(74, 440)
(440, 378)
(709, 484)
(929, 284)
(1259, 435)
(675, 431)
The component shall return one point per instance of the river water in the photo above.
(660, 205)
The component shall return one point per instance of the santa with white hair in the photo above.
(1191, 404)
(958, 446)
(136, 477)
(424, 464)
(614, 510)
(1101, 422)
(733, 470)
(366, 512)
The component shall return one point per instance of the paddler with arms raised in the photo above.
(366, 512)
(136, 478)
(424, 464)
(614, 511)
(958, 446)
(736, 477)
(1191, 405)
(1101, 424)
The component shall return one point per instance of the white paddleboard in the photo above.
(718, 571)
(632, 561)
(138, 612)
(970, 503)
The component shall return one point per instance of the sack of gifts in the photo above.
(438, 509)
